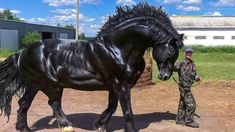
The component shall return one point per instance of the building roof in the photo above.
(33, 24)
(184, 22)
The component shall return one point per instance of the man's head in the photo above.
(188, 53)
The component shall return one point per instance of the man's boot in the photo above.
(192, 124)
(180, 122)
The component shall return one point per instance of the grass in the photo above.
(5, 52)
(212, 63)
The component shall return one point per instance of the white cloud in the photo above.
(57, 3)
(60, 2)
(225, 3)
(65, 11)
(61, 19)
(126, 2)
(183, 1)
(1, 9)
(67, 18)
(215, 13)
(104, 19)
(71, 14)
(89, 1)
(64, 18)
(188, 8)
(38, 20)
(15, 11)
(192, 1)
(172, 1)
(89, 30)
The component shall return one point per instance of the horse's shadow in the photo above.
(85, 121)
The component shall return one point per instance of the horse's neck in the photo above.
(122, 54)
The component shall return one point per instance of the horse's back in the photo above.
(59, 62)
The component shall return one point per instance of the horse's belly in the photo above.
(80, 79)
(87, 85)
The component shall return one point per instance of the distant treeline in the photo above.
(213, 49)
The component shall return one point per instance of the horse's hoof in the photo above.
(130, 129)
(98, 127)
(26, 129)
(101, 129)
(67, 129)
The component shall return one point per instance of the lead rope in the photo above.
(192, 85)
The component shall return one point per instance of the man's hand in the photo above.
(197, 78)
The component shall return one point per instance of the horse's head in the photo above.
(135, 29)
(165, 55)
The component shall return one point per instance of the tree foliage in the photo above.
(82, 36)
(69, 26)
(31, 38)
(7, 14)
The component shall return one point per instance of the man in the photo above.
(187, 105)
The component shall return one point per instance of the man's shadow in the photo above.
(85, 121)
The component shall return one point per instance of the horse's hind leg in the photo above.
(107, 114)
(25, 103)
(55, 95)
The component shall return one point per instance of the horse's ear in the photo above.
(182, 36)
(178, 42)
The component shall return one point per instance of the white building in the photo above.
(209, 31)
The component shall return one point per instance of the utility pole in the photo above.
(77, 22)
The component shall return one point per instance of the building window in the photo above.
(64, 35)
(200, 37)
(185, 37)
(233, 37)
(218, 37)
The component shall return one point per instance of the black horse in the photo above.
(113, 61)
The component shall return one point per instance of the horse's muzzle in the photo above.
(163, 77)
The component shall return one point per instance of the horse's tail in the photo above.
(11, 83)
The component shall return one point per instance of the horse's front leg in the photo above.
(124, 96)
(100, 124)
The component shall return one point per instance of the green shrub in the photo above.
(31, 38)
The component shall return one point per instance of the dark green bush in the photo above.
(31, 38)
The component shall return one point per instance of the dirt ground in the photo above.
(154, 106)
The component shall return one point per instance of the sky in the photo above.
(94, 13)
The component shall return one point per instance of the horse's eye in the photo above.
(171, 51)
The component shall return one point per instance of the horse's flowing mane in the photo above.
(161, 24)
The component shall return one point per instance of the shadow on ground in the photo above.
(85, 121)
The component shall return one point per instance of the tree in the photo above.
(58, 25)
(69, 26)
(82, 36)
(7, 14)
